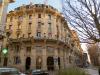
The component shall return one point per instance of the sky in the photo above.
(55, 3)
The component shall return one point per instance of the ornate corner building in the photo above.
(38, 37)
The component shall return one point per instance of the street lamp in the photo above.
(5, 51)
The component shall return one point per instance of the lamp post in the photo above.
(3, 14)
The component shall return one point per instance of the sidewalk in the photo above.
(92, 71)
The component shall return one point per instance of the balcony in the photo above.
(18, 31)
(13, 40)
(38, 37)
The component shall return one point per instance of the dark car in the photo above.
(9, 71)
(38, 72)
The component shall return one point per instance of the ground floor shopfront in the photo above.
(49, 55)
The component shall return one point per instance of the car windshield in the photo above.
(8, 72)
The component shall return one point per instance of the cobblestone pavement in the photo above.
(92, 71)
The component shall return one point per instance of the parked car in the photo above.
(9, 71)
(22, 73)
(38, 72)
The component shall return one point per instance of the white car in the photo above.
(9, 71)
(22, 73)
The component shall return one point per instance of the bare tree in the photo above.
(84, 16)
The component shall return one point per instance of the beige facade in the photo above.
(38, 37)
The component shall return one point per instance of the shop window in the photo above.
(17, 60)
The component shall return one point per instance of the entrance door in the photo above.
(38, 63)
(28, 63)
(5, 61)
(59, 62)
(50, 63)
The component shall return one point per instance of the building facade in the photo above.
(38, 37)
(94, 53)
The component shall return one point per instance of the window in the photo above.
(39, 15)
(49, 30)
(57, 31)
(10, 26)
(17, 60)
(49, 16)
(30, 16)
(49, 27)
(29, 28)
(38, 34)
(28, 49)
(20, 18)
(39, 26)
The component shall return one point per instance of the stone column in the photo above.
(44, 59)
(62, 58)
(65, 59)
(56, 59)
(22, 57)
(33, 58)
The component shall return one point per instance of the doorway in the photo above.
(59, 62)
(5, 61)
(28, 63)
(38, 62)
(50, 63)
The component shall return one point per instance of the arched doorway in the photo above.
(38, 62)
(50, 63)
(59, 62)
(5, 61)
(28, 63)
